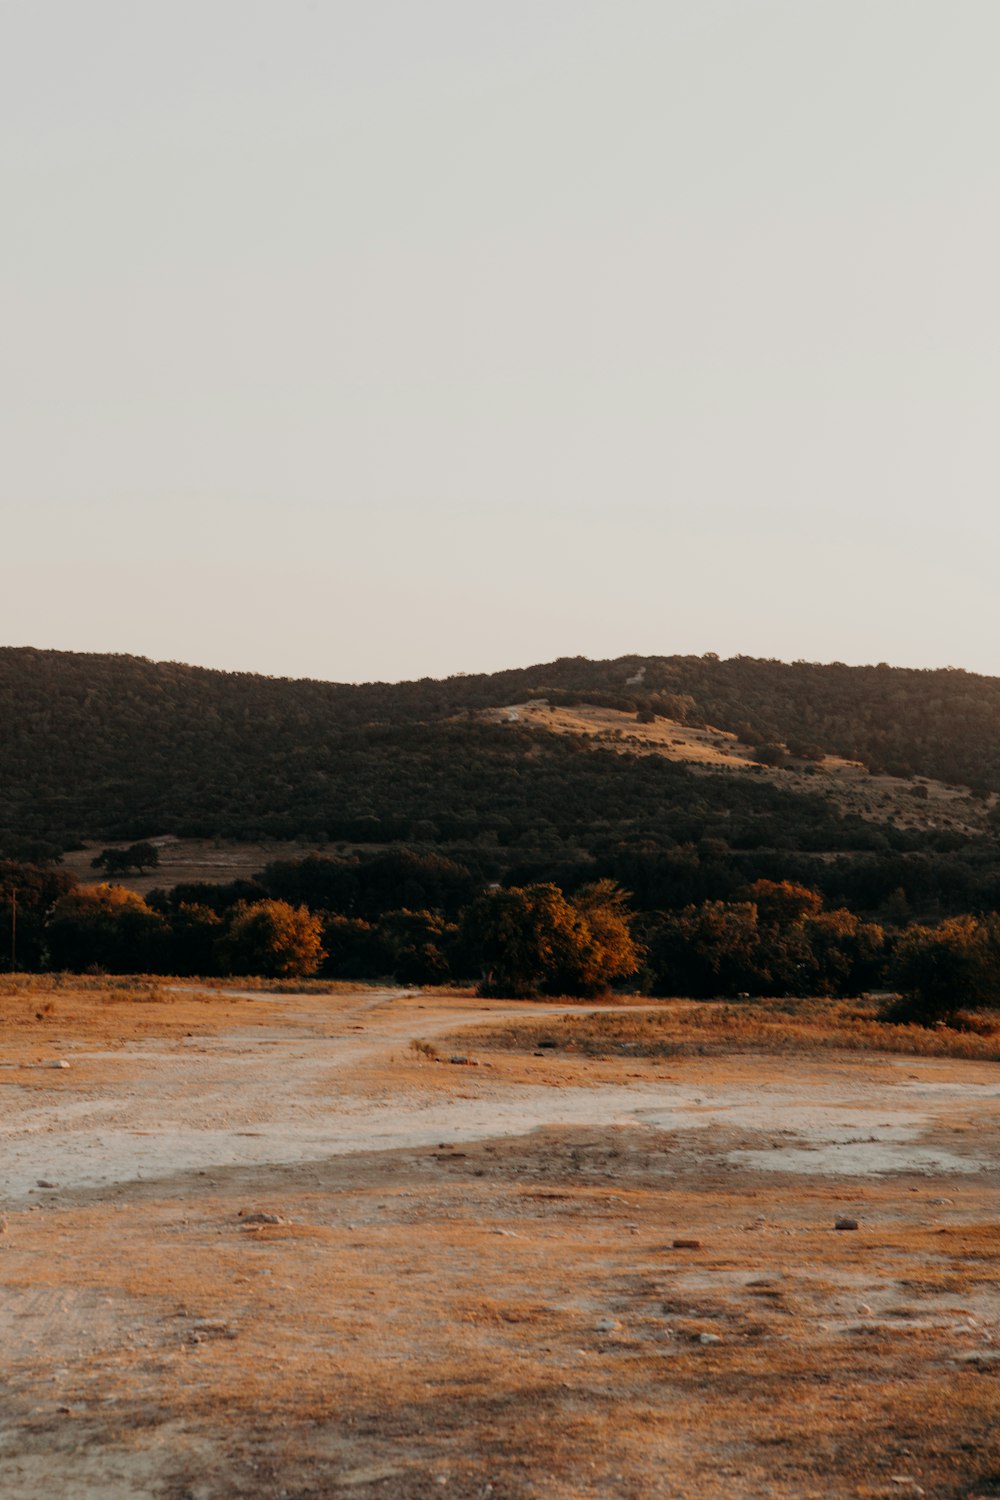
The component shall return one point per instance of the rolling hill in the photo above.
(864, 780)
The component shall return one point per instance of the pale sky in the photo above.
(395, 338)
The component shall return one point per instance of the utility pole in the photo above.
(13, 929)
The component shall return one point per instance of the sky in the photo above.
(397, 338)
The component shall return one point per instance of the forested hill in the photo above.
(120, 747)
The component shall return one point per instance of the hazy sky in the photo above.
(395, 338)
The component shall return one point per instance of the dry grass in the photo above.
(690, 1029)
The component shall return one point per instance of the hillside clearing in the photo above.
(704, 748)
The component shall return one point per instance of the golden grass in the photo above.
(687, 1029)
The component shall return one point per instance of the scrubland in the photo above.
(259, 1244)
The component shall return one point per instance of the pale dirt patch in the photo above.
(464, 1280)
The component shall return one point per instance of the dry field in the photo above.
(261, 1245)
(216, 861)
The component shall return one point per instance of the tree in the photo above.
(194, 939)
(107, 927)
(272, 939)
(782, 903)
(353, 950)
(609, 953)
(139, 857)
(707, 950)
(415, 946)
(27, 894)
(848, 954)
(940, 970)
(531, 940)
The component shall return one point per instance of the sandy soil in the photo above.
(260, 1245)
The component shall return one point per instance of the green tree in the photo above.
(272, 939)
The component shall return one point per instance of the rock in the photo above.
(687, 1244)
(464, 1062)
(60, 1063)
(44, 1182)
(260, 1218)
(206, 1331)
(709, 1338)
(606, 1325)
(865, 1309)
(846, 1224)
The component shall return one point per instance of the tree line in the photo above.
(774, 938)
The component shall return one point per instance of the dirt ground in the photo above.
(260, 1245)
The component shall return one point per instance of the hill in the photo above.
(741, 769)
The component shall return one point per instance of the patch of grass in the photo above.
(688, 1029)
(293, 986)
(425, 1049)
(26, 984)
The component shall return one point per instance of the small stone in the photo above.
(606, 1325)
(687, 1244)
(709, 1338)
(865, 1309)
(43, 1182)
(61, 1063)
(260, 1218)
(846, 1224)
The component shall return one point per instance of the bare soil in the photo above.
(260, 1245)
